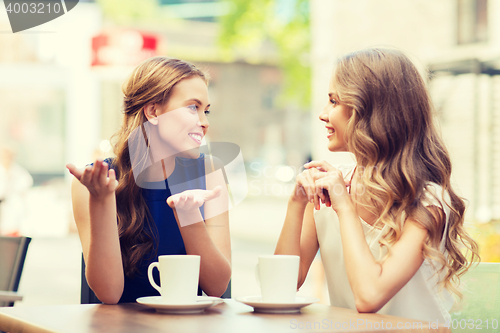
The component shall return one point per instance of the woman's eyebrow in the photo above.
(197, 101)
(335, 96)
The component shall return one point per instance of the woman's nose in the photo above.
(203, 121)
(323, 116)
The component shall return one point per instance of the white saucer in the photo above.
(265, 307)
(202, 302)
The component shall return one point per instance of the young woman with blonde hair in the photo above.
(124, 220)
(391, 230)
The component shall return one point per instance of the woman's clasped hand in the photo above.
(321, 183)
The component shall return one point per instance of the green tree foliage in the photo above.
(130, 11)
(283, 22)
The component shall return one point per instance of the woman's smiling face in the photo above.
(336, 116)
(182, 121)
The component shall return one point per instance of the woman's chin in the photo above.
(191, 153)
(337, 149)
(333, 149)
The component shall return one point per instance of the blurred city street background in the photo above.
(269, 63)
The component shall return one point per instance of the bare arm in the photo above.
(210, 240)
(94, 209)
(374, 283)
(298, 235)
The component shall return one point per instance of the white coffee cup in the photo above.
(277, 276)
(179, 276)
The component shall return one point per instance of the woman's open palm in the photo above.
(192, 199)
(95, 178)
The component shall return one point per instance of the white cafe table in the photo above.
(230, 316)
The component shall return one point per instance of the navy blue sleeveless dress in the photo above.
(188, 174)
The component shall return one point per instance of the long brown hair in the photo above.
(151, 82)
(394, 138)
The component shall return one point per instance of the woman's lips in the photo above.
(197, 137)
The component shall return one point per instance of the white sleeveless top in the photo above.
(421, 298)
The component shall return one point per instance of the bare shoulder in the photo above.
(212, 163)
(214, 172)
(414, 229)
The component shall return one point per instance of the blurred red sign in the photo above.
(128, 47)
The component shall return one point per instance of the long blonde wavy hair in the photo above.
(151, 82)
(392, 134)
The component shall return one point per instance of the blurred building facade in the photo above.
(459, 42)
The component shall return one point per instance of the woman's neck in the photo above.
(161, 170)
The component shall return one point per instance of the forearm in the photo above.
(289, 240)
(298, 237)
(104, 268)
(215, 267)
(363, 271)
